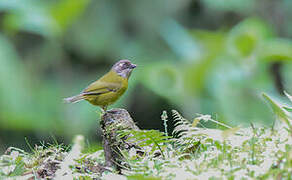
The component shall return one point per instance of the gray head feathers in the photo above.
(124, 68)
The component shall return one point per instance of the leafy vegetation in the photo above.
(204, 56)
(192, 152)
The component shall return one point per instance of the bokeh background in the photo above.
(196, 56)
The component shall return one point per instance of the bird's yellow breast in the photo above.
(116, 84)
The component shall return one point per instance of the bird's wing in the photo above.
(101, 87)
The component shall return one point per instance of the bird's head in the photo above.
(124, 68)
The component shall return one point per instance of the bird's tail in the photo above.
(74, 99)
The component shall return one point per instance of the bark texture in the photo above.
(112, 121)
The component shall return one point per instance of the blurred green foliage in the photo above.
(196, 56)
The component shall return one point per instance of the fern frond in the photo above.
(191, 138)
(182, 125)
(154, 139)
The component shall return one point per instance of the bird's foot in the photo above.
(103, 110)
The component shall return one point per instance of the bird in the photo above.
(107, 89)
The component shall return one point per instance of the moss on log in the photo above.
(113, 121)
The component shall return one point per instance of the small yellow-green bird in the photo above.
(107, 90)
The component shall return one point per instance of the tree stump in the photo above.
(111, 122)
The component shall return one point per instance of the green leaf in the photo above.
(179, 40)
(276, 49)
(28, 15)
(244, 39)
(278, 110)
(165, 79)
(19, 169)
(289, 109)
(142, 177)
(66, 11)
(152, 138)
(288, 95)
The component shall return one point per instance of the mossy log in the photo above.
(112, 121)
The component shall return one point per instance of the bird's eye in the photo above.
(125, 65)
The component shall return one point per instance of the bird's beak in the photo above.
(133, 66)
